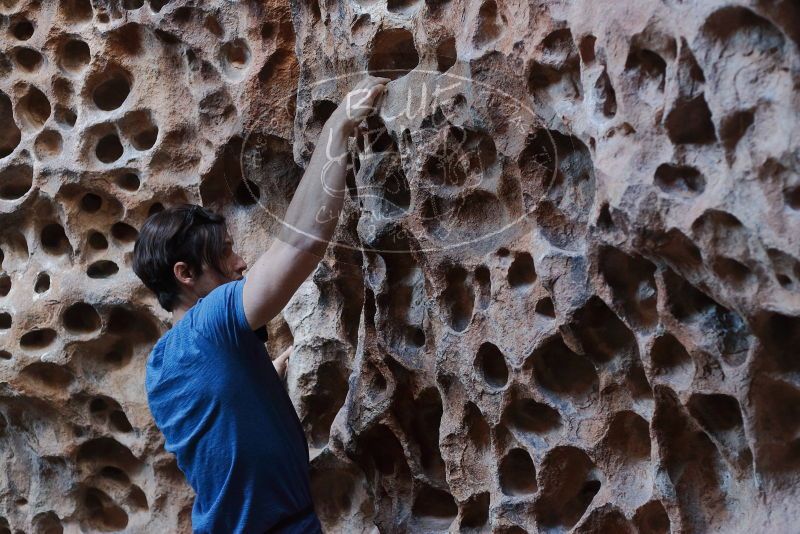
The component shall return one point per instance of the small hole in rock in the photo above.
(54, 239)
(112, 93)
(102, 269)
(97, 240)
(517, 473)
(492, 365)
(22, 30)
(109, 149)
(15, 181)
(27, 58)
(81, 318)
(393, 53)
(91, 202)
(128, 181)
(75, 55)
(124, 232)
(37, 339)
(42, 283)
(247, 193)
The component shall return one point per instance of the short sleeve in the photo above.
(219, 316)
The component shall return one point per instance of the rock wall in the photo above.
(564, 294)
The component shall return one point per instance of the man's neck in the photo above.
(180, 310)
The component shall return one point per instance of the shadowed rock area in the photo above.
(563, 295)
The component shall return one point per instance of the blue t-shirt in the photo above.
(224, 413)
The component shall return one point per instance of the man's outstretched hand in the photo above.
(359, 103)
(281, 362)
(312, 215)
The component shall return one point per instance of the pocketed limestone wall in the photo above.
(563, 296)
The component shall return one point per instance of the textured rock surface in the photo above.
(565, 293)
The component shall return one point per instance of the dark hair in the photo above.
(187, 233)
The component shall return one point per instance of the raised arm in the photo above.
(312, 214)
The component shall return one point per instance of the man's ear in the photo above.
(183, 273)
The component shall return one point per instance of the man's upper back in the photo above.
(220, 404)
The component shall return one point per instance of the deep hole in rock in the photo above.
(545, 307)
(15, 181)
(434, 508)
(478, 430)
(5, 320)
(475, 512)
(646, 65)
(490, 24)
(27, 58)
(601, 333)
(693, 464)
(324, 401)
(247, 193)
(733, 128)
(119, 421)
(91, 202)
(102, 513)
(124, 232)
(97, 240)
(492, 365)
(629, 437)
(102, 269)
(75, 55)
(681, 180)
(670, 361)
(112, 92)
(393, 53)
(235, 58)
(458, 298)
(725, 327)
(48, 374)
(568, 483)
(521, 273)
(109, 149)
(81, 318)
(76, 11)
(48, 144)
(140, 128)
(517, 473)
(22, 29)
(605, 96)
(128, 181)
(115, 473)
(730, 270)
(54, 240)
(34, 108)
(446, 55)
(792, 196)
(65, 116)
(42, 283)
(10, 134)
(5, 285)
(558, 369)
(586, 48)
(529, 416)
(632, 284)
(719, 414)
(483, 280)
(689, 122)
(652, 518)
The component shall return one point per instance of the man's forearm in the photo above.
(312, 215)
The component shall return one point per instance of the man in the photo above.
(211, 387)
